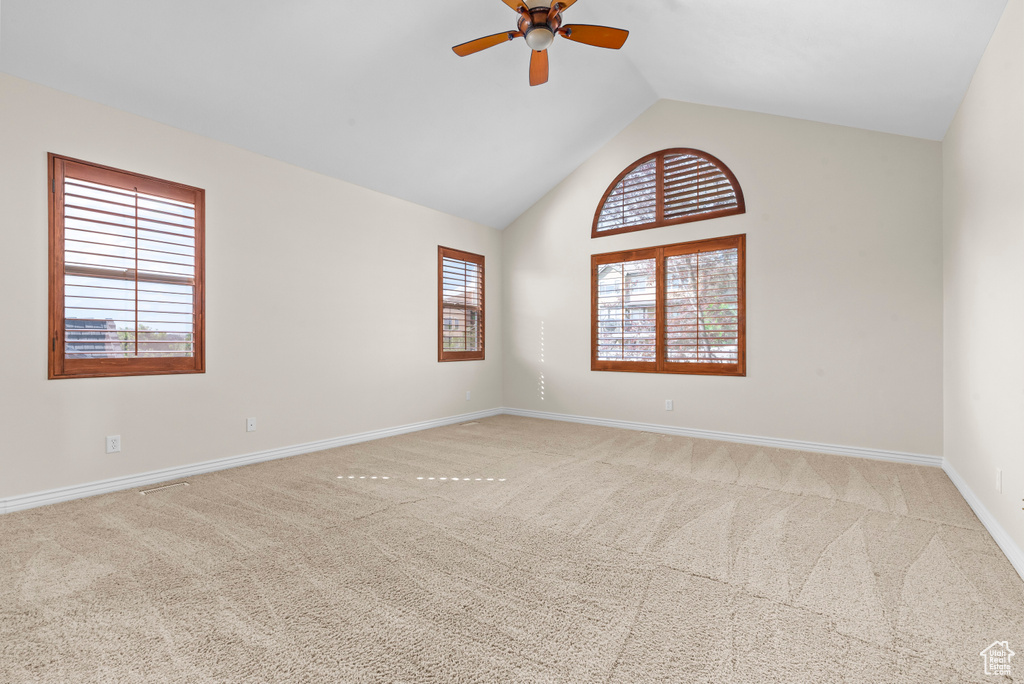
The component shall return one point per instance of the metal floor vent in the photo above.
(163, 487)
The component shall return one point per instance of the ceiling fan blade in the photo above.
(538, 67)
(517, 5)
(599, 36)
(484, 43)
(566, 4)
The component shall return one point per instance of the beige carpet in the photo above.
(594, 555)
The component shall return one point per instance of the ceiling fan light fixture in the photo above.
(539, 37)
(539, 21)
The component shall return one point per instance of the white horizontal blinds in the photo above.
(633, 201)
(627, 311)
(129, 273)
(671, 186)
(693, 185)
(461, 299)
(702, 307)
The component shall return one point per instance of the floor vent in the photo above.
(163, 487)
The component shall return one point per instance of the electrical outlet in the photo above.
(668, 404)
(468, 394)
(250, 425)
(999, 480)
(113, 444)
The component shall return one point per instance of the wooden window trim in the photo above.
(659, 254)
(442, 355)
(660, 219)
(59, 366)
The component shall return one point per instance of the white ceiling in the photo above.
(370, 92)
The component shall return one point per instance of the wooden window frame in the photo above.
(659, 254)
(478, 259)
(660, 219)
(61, 367)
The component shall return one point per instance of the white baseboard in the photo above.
(795, 445)
(1002, 538)
(1005, 542)
(18, 503)
(999, 534)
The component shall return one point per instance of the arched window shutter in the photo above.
(633, 201)
(668, 187)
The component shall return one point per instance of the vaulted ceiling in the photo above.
(370, 92)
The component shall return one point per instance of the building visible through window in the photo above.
(460, 284)
(671, 309)
(127, 273)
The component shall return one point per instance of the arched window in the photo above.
(665, 188)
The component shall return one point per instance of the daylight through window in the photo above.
(665, 188)
(460, 309)
(671, 309)
(127, 273)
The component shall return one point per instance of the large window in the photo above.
(460, 305)
(665, 188)
(126, 273)
(671, 309)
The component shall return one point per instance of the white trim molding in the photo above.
(1001, 537)
(19, 503)
(778, 443)
(999, 534)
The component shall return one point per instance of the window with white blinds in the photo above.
(460, 305)
(626, 311)
(702, 307)
(672, 309)
(632, 201)
(127, 273)
(668, 187)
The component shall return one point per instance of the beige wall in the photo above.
(321, 307)
(983, 162)
(844, 281)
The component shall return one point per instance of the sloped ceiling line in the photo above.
(371, 93)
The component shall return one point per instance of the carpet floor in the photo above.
(514, 550)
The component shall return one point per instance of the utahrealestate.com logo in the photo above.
(997, 658)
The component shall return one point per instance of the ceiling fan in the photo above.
(539, 23)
